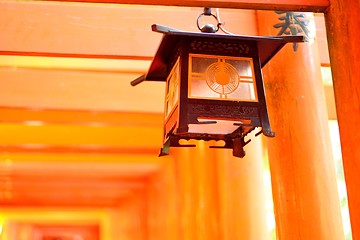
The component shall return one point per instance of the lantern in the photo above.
(214, 87)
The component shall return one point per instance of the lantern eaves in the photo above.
(267, 47)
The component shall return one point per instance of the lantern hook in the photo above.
(208, 27)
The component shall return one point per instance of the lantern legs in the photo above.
(236, 144)
(238, 147)
(172, 141)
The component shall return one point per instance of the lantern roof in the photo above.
(267, 48)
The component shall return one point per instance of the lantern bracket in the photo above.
(172, 141)
(237, 144)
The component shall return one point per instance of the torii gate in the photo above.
(342, 18)
(342, 22)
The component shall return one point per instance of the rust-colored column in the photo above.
(183, 196)
(220, 196)
(305, 195)
(162, 202)
(342, 24)
(184, 170)
(198, 192)
(206, 192)
(242, 193)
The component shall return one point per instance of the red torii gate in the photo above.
(342, 18)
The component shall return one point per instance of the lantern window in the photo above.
(172, 89)
(221, 78)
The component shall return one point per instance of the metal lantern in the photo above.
(214, 87)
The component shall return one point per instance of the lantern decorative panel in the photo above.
(214, 88)
(221, 78)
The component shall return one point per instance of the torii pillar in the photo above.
(342, 25)
(306, 201)
(220, 196)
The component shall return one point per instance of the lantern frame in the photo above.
(172, 62)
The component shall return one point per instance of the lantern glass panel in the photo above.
(172, 89)
(221, 78)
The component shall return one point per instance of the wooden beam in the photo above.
(93, 161)
(44, 216)
(58, 89)
(64, 135)
(64, 199)
(79, 149)
(73, 55)
(82, 63)
(289, 5)
(38, 28)
(132, 168)
(31, 116)
(140, 132)
(43, 184)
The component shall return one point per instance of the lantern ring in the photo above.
(208, 28)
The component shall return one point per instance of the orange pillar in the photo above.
(183, 200)
(220, 196)
(305, 195)
(162, 203)
(242, 193)
(206, 192)
(342, 23)
(184, 169)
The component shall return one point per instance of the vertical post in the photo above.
(206, 192)
(162, 203)
(242, 193)
(220, 196)
(184, 170)
(198, 196)
(305, 195)
(342, 25)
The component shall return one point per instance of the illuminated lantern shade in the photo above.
(214, 88)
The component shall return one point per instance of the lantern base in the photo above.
(234, 142)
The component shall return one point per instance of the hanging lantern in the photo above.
(214, 87)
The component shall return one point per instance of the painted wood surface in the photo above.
(290, 5)
(202, 193)
(306, 201)
(97, 31)
(342, 23)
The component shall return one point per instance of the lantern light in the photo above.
(214, 87)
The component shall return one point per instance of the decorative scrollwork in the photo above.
(216, 47)
(223, 111)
